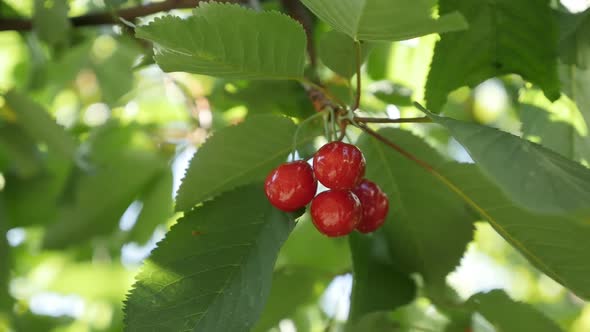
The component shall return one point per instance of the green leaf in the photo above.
(505, 36)
(574, 45)
(338, 52)
(307, 248)
(508, 315)
(213, 270)
(156, 210)
(557, 126)
(34, 200)
(575, 53)
(392, 93)
(557, 246)
(384, 20)
(63, 71)
(260, 97)
(82, 278)
(378, 284)
(50, 20)
(379, 61)
(415, 231)
(576, 84)
(40, 126)
(231, 41)
(100, 199)
(20, 150)
(291, 289)
(112, 71)
(530, 175)
(236, 156)
(374, 322)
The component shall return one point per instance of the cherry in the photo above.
(290, 186)
(336, 212)
(375, 206)
(339, 165)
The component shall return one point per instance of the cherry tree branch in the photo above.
(388, 120)
(108, 17)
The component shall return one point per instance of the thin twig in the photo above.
(357, 101)
(108, 17)
(423, 119)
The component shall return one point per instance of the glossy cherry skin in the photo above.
(291, 186)
(339, 165)
(336, 212)
(375, 206)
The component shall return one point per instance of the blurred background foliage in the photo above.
(94, 140)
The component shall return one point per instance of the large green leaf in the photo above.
(213, 270)
(378, 284)
(228, 40)
(157, 208)
(531, 175)
(291, 289)
(50, 20)
(39, 125)
(558, 246)
(101, 198)
(235, 156)
(505, 36)
(338, 52)
(507, 315)
(385, 20)
(308, 249)
(421, 208)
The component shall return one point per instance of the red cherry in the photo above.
(375, 206)
(336, 212)
(339, 165)
(290, 186)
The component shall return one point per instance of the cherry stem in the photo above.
(423, 119)
(357, 101)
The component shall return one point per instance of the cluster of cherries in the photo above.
(351, 203)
